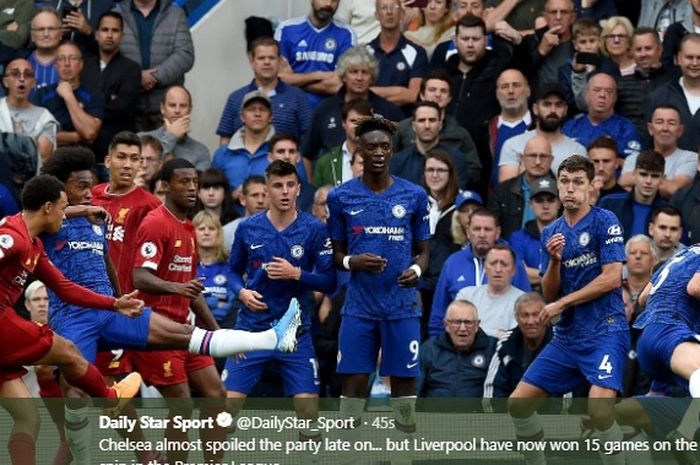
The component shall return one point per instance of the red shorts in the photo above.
(168, 367)
(114, 362)
(23, 343)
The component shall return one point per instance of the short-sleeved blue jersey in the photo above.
(669, 302)
(217, 287)
(618, 127)
(304, 243)
(78, 250)
(386, 224)
(594, 241)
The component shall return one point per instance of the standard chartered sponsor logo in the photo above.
(180, 263)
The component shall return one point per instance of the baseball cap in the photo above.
(543, 185)
(255, 95)
(467, 196)
(547, 89)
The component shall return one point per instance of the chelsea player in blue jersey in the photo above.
(379, 227)
(283, 254)
(582, 259)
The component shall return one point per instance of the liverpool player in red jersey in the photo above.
(26, 343)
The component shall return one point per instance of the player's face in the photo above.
(574, 189)
(471, 44)
(79, 187)
(461, 325)
(666, 231)
(182, 188)
(282, 192)
(211, 196)
(19, 79)
(427, 123)
(206, 235)
(438, 91)
(123, 163)
(528, 320)
(56, 213)
(647, 182)
(437, 175)
(376, 147)
(255, 199)
(482, 233)
(640, 260)
(109, 34)
(665, 127)
(176, 104)
(499, 268)
(38, 306)
(545, 207)
(285, 150)
(646, 51)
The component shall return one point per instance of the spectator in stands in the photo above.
(603, 153)
(157, 37)
(634, 208)
(666, 230)
(409, 162)
(304, 44)
(176, 109)
(454, 363)
(519, 348)
(81, 19)
(601, 119)
(46, 33)
(77, 108)
(152, 158)
(15, 25)
(466, 203)
(360, 15)
(676, 31)
(521, 14)
(335, 166)
(357, 69)
(641, 261)
(511, 199)
(246, 153)
(545, 204)
(465, 267)
(496, 298)
(18, 115)
(320, 207)
(687, 201)
(550, 109)
(285, 147)
(634, 90)
(666, 129)
(402, 63)
(214, 196)
(616, 43)
(118, 78)
(291, 111)
(436, 25)
(660, 14)
(253, 197)
(435, 87)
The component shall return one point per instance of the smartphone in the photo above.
(68, 10)
(588, 59)
(419, 4)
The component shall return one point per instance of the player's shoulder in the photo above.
(602, 214)
(340, 193)
(553, 227)
(13, 233)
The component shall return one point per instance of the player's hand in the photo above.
(180, 127)
(551, 311)
(408, 278)
(555, 246)
(190, 289)
(252, 300)
(97, 215)
(279, 268)
(549, 41)
(129, 305)
(368, 262)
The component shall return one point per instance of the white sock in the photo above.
(225, 342)
(404, 413)
(614, 435)
(351, 407)
(78, 434)
(530, 429)
(639, 457)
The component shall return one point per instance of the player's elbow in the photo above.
(613, 282)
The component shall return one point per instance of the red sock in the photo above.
(21, 449)
(93, 384)
(49, 387)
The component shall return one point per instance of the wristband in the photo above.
(346, 262)
(417, 269)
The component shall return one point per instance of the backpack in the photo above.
(18, 161)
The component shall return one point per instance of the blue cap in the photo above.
(467, 196)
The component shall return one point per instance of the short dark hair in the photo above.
(375, 123)
(690, 37)
(213, 177)
(72, 43)
(585, 26)
(650, 160)
(666, 106)
(483, 211)
(603, 142)
(438, 74)
(111, 14)
(124, 138)
(577, 163)
(361, 106)
(667, 210)
(644, 30)
(254, 179)
(426, 103)
(155, 144)
(173, 164)
(279, 137)
(469, 20)
(39, 190)
(68, 159)
(264, 42)
(506, 247)
(280, 168)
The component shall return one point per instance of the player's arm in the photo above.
(200, 308)
(145, 280)
(238, 260)
(644, 295)
(112, 275)
(411, 275)
(693, 287)
(551, 280)
(366, 261)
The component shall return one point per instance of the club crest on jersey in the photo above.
(297, 251)
(6, 241)
(584, 239)
(148, 250)
(330, 44)
(97, 229)
(478, 361)
(219, 279)
(121, 216)
(399, 211)
(400, 65)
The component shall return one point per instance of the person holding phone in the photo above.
(79, 19)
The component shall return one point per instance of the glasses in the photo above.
(537, 156)
(617, 37)
(437, 170)
(45, 30)
(458, 323)
(15, 73)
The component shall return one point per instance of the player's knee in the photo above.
(306, 407)
(25, 416)
(215, 391)
(602, 412)
(520, 407)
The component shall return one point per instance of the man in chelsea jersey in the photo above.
(379, 227)
(582, 258)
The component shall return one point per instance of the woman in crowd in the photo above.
(617, 43)
(214, 196)
(436, 26)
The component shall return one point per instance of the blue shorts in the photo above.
(665, 413)
(299, 369)
(655, 348)
(360, 339)
(561, 368)
(89, 329)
